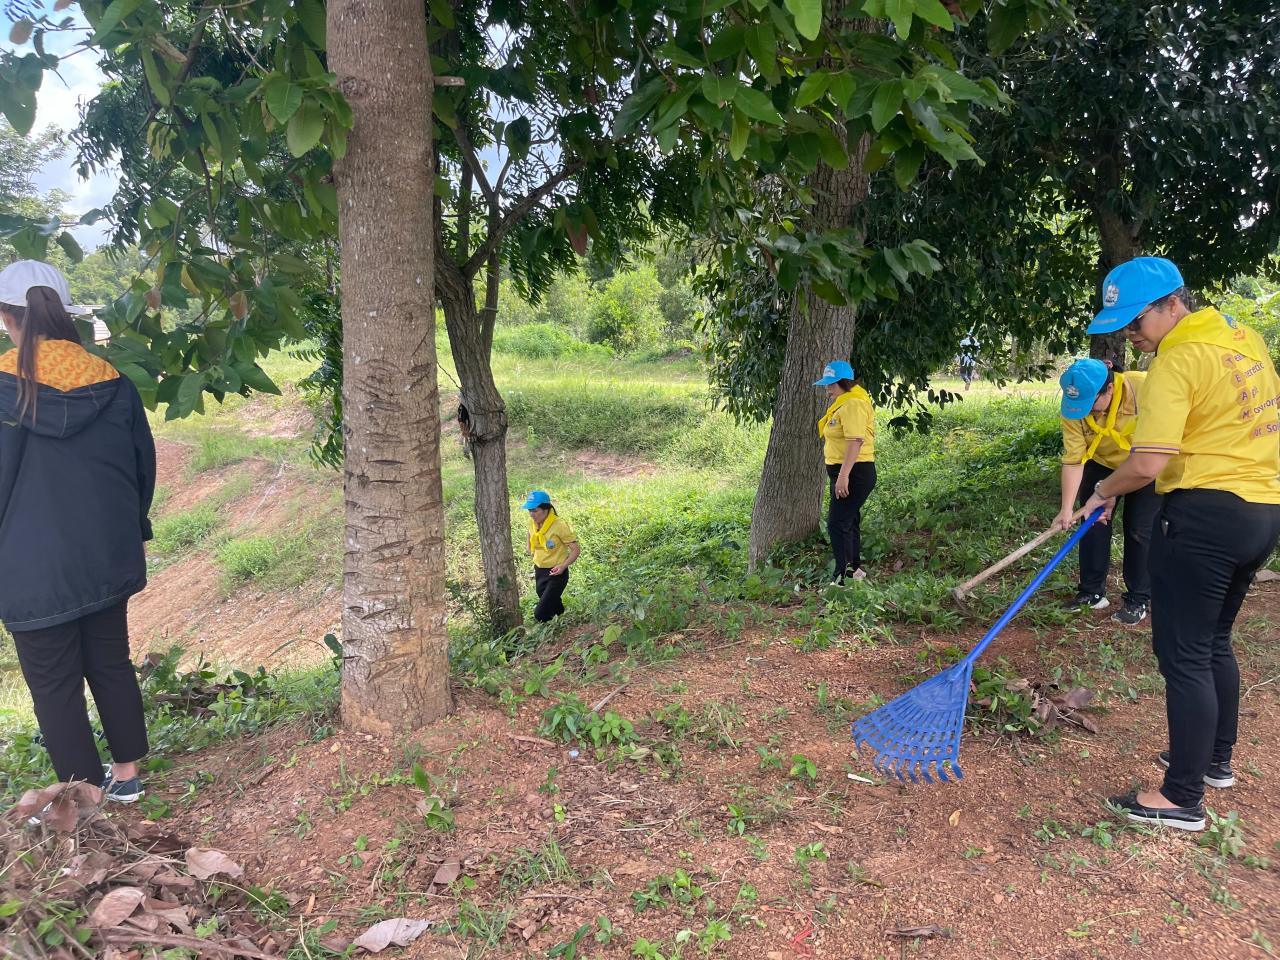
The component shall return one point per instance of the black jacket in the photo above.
(76, 481)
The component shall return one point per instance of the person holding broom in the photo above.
(848, 432)
(1099, 411)
(554, 547)
(1207, 433)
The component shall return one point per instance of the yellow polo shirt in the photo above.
(1077, 435)
(855, 419)
(1210, 400)
(559, 536)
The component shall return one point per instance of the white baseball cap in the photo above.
(17, 278)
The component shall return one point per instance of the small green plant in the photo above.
(434, 811)
(247, 558)
(741, 817)
(802, 768)
(1224, 835)
(179, 531)
(769, 759)
(807, 854)
(677, 888)
(568, 719)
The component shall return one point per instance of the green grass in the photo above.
(176, 532)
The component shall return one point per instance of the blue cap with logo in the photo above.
(1081, 383)
(834, 372)
(1132, 287)
(537, 498)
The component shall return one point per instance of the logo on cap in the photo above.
(1111, 295)
(1072, 391)
(828, 371)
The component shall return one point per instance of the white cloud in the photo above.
(58, 105)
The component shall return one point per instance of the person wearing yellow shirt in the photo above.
(1208, 434)
(1099, 411)
(554, 547)
(848, 431)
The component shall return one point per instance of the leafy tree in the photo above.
(625, 312)
(28, 218)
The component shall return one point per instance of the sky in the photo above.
(57, 105)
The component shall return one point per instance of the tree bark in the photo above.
(1118, 242)
(471, 340)
(788, 505)
(396, 671)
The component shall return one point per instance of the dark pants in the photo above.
(56, 662)
(1205, 550)
(1137, 517)
(844, 516)
(549, 589)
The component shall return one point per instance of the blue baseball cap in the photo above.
(834, 372)
(1081, 383)
(537, 498)
(1132, 287)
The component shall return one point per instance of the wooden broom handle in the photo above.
(1013, 557)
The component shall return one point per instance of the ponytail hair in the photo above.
(43, 318)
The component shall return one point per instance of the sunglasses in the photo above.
(1135, 325)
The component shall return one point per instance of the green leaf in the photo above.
(283, 98)
(906, 164)
(885, 104)
(932, 11)
(1004, 25)
(738, 138)
(111, 17)
(518, 137)
(757, 105)
(718, 89)
(255, 378)
(808, 14)
(899, 11)
(311, 18)
(812, 89)
(305, 129)
(762, 44)
(19, 107)
(442, 11)
(834, 154)
(159, 89)
(189, 392)
(68, 243)
(841, 87)
(637, 106)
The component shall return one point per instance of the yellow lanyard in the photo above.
(1121, 436)
(836, 404)
(538, 535)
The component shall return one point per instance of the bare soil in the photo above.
(1000, 865)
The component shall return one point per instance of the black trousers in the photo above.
(1205, 550)
(550, 588)
(1137, 516)
(844, 516)
(56, 662)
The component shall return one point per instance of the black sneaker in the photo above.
(1218, 775)
(122, 791)
(1130, 613)
(1085, 599)
(1178, 818)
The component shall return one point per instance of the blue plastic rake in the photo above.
(921, 728)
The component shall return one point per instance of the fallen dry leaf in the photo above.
(205, 863)
(89, 868)
(954, 819)
(910, 933)
(399, 933)
(449, 871)
(116, 907)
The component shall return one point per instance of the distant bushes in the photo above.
(641, 310)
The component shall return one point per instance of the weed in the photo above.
(532, 868)
(179, 531)
(1224, 835)
(569, 719)
(804, 856)
(769, 759)
(802, 768)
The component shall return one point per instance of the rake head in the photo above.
(919, 729)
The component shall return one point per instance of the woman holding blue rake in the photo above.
(848, 432)
(1207, 433)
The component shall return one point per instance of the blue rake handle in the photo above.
(921, 728)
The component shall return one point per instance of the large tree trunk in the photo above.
(396, 672)
(1118, 242)
(471, 340)
(788, 504)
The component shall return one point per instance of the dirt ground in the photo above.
(1020, 859)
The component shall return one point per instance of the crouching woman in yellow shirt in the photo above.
(848, 431)
(1208, 434)
(554, 547)
(1099, 413)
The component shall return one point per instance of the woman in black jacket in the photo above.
(77, 473)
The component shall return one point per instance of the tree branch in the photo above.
(472, 161)
(514, 215)
(188, 62)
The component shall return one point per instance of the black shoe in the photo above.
(1218, 775)
(1130, 613)
(1093, 601)
(1178, 818)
